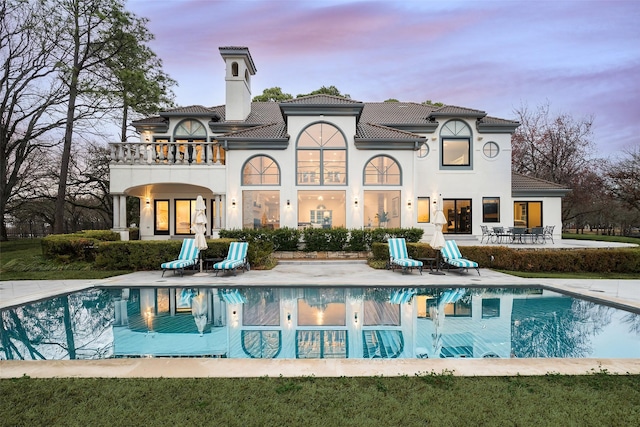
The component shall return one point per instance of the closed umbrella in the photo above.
(199, 226)
(437, 241)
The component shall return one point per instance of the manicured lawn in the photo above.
(23, 260)
(427, 400)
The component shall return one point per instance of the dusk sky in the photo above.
(582, 57)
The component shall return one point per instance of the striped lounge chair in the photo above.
(188, 256)
(236, 259)
(398, 257)
(452, 257)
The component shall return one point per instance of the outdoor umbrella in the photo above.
(199, 226)
(199, 311)
(437, 241)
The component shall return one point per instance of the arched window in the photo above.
(234, 69)
(322, 156)
(455, 137)
(260, 170)
(382, 170)
(189, 129)
(190, 132)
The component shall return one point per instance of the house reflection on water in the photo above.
(357, 323)
(316, 323)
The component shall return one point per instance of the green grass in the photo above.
(425, 400)
(601, 238)
(23, 260)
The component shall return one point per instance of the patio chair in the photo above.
(548, 232)
(486, 233)
(452, 257)
(399, 258)
(188, 257)
(537, 235)
(236, 259)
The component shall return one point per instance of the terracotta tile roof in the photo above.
(150, 121)
(523, 183)
(268, 131)
(374, 131)
(261, 113)
(396, 113)
(321, 100)
(452, 110)
(496, 121)
(190, 110)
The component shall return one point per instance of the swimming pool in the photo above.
(315, 323)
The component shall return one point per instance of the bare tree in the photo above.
(30, 95)
(559, 149)
(624, 179)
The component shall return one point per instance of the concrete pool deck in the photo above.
(623, 294)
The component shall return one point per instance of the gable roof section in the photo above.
(489, 124)
(370, 136)
(452, 110)
(314, 105)
(262, 113)
(527, 186)
(271, 136)
(407, 116)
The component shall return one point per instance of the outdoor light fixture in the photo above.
(409, 204)
(233, 203)
(355, 317)
(355, 202)
(148, 201)
(288, 203)
(289, 318)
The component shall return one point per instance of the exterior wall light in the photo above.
(355, 317)
(409, 204)
(233, 203)
(355, 202)
(288, 203)
(148, 201)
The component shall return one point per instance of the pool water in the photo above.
(312, 322)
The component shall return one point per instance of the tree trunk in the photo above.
(125, 117)
(68, 327)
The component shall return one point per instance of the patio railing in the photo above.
(179, 153)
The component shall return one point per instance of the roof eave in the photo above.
(560, 192)
(353, 109)
(496, 128)
(233, 143)
(413, 127)
(387, 144)
(152, 127)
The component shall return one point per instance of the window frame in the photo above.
(192, 207)
(261, 174)
(456, 130)
(485, 203)
(384, 173)
(156, 231)
(309, 178)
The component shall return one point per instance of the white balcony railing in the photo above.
(178, 153)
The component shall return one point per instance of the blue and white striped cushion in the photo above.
(407, 262)
(452, 255)
(188, 256)
(235, 257)
(398, 248)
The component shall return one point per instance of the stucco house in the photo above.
(323, 161)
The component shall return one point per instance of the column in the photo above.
(116, 211)
(123, 211)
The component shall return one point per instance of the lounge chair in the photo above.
(452, 257)
(188, 256)
(236, 259)
(398, 256)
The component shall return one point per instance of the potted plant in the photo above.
(383, 218)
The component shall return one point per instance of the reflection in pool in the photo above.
(316, 322)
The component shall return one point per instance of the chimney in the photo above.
(239, 69)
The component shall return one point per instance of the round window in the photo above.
(490, 149)
(424, 150)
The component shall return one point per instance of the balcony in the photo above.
(167, 153)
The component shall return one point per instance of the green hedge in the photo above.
(80, 246)
(622, 260)
(322, 239)
(149, 254)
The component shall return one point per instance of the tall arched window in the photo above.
(322, 156)
(189, 131)
(382, 170)
(234, 69)
(455, 137)
(261, 170)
